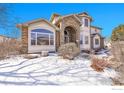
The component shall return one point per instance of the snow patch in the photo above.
(52, 70)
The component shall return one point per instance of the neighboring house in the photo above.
(39, 35)
(3, 38)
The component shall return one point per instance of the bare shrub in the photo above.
(68, 50)
(99, 64)
(9, 47)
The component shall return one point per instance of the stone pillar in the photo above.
(57, 40)
(24, 39)
(62, 32)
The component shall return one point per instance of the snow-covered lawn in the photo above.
(52, 70)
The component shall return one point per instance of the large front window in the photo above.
(42, 37)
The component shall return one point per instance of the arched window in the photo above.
(42, 37)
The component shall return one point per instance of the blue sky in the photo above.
(106, 16)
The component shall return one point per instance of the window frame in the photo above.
(86, 22)
(34, 39)
(36, 35)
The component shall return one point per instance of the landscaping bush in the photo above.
(99, 64)
(68, 50)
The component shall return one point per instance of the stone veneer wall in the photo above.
(57, 40)
(72, 22)
(24, 39)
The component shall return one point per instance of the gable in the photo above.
(71, 20)
(41, 25)
(38, 23)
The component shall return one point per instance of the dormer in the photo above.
(85, 18)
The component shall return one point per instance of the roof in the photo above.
(34, 21)
(77, 16)
(85, 14)
(96, 27)
(92, 35)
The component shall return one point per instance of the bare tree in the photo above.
(8, 20)
(4, 12)
(7, 25)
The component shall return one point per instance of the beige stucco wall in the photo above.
(85, 31)
(39, 48)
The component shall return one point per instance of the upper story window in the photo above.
(86, 22)
(42, 37)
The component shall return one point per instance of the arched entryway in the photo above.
(69, 34)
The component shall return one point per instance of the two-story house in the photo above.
(39, 35)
